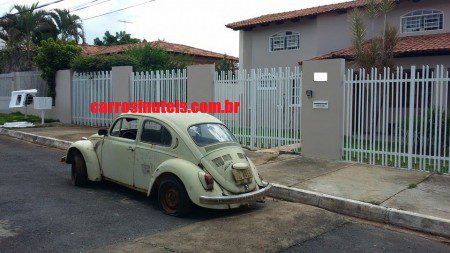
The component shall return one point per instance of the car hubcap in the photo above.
(170, 200)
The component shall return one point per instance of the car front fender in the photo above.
(187, 172)
(87, 149)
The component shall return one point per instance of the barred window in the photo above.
(284, 41)
(422, 20)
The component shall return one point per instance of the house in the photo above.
(199, 56)
(323, 32)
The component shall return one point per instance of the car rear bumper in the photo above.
(237, 199)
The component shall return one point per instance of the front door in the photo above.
(118, 150)
(155, 146)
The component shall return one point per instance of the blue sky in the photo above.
(198, 23)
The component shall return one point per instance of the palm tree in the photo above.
(68, 26)
(23, 27)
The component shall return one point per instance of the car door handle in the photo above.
(130, 148)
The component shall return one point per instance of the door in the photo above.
(118, 150)
(156, 145)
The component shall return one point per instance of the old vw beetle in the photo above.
(180, 158)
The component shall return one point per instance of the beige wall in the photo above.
(322, 128)
(324, 34)
(200, 83)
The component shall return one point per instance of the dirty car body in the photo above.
(173, 156)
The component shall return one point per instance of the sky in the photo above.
(197, 23)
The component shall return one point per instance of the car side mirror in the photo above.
(103, 132)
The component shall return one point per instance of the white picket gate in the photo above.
(87, 88)
(270, 105)
(398, 118)
(154, 86)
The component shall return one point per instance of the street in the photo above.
(40, 211)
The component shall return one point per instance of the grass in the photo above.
(411, 186)
(17, 116)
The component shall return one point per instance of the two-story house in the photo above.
(288, 38)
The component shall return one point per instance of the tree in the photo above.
(156, 58)
(24, 27)
(68, 26)
(53, 55)
(120, 38)
(225, 64)
(377, 52)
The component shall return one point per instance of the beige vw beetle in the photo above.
(181, 158)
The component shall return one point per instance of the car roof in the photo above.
(181, 120)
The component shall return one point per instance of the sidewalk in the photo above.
(414, 191)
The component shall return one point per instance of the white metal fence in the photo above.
(270, 105)
(87, 88)
(169, 85)
(398, 118)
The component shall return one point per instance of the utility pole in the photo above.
(125, 22)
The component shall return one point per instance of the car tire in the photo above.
(173, 198)
(78, 172)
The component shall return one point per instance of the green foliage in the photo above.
(53, 55)
(102, 62)
(17, 117)
(142, 58)
(377, 52)
(120, 38)
(156, 58)
(68, 26)
(225, 65)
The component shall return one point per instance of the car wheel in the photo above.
(173, 197)
(79, 173)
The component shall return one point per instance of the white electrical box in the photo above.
(42, 103)
(320, 76)
(320, 104)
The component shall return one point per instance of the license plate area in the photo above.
(242, 176)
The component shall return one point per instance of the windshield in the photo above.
(210, 133)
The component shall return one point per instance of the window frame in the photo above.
(121, 121)
(152, 143)
(422, 29)
(284, 35)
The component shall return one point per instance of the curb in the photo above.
(359, 209)
(46, 141)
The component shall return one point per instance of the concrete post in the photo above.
(120, 84)
(200, 83)
(63, 98)
(322, 114)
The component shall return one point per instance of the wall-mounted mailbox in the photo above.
(320, 76)
(320, 104)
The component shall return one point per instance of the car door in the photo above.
(155, 145)
(118, 150)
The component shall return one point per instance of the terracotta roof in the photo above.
(295, 15)
(407, 46)
(170, 47)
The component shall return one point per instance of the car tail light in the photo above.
(207, 180)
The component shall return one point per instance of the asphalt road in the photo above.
(40, 211)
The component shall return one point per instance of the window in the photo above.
(125, 128)
(422, 20)
(155, 133)
(285, 41)
(210, 133)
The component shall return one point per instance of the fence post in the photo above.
(63, 98)
(252, 108)
(412, 89)
(200, 83)
(322, 113)
(120, 84)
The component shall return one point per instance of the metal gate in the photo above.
(270, 106)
